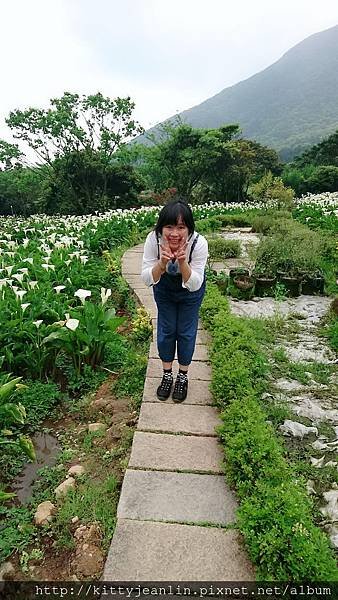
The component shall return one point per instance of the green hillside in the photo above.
(289, 106)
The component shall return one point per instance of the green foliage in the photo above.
(38, 398)
(142, 328)
(19, 531)
(275, 514)
(84, 335)
(75, 123)
(12, 414)
(84, 181)
(221, 248)
(272, 188)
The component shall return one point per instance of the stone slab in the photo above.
(197, 369)
(176, 497)
(198, 392)
(164, 452)
(200, 353)
(178, 418)
(146, 551)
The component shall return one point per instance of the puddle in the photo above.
(46, 448)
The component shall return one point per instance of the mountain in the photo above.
(288, 106)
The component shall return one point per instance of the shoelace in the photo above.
(180, 381)
(167, 380)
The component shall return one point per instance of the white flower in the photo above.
(25, 242)
(9, 269)
(59, 288)
(67, 262)
(24, 306)
(23, 270)
(82, 294)
(72, 324)
(32, 284)
(84, 259)
(29, 260)
(18, 277)
(37, 323)
(105, 294)
(19, 293)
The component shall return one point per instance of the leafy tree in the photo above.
(10, 155)
(324, 153)
(22, 191)
(273, 188)
(83, 182)
(75, 123)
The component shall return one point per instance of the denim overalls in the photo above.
(177, 318)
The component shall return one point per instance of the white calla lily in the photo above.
(82, 294)
(72, 324)
(59, 288)
(105, 294)
(37, 323)
(24, 306)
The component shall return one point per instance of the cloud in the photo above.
(167, 55)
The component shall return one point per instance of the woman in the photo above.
(173, 263)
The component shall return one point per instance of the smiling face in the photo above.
(175, 235)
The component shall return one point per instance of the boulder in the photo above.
(64, 487)
(97, 427)
(76, 470)
(44, 513)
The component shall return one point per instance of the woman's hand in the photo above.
(181, 253)
(165, 255)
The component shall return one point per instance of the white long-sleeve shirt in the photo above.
(197, 264)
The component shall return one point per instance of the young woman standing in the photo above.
(173, 263)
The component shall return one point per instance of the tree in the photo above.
(10, 155)
(74, 124)
(82, 182)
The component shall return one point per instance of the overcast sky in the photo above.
(168, 55)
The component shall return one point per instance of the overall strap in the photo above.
(192, 248)
(158, 246)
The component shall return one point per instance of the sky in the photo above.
(167, 55)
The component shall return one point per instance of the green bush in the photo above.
(275, 514)
(221, 248)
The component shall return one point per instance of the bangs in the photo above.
(171, 213)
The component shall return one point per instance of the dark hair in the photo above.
(170, 214)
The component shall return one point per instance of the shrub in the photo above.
(275, 515)
(221, 248)
(272, 188)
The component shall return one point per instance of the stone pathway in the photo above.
(176, 518)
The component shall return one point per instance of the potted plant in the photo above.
(313, 283)
(237, 271)
(244, 282)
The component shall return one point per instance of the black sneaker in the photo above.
(181, 388)
(164, 389)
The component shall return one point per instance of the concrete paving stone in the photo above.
(198, 392)
(176, 497)
(178, 418)
(146, 551)
(203, 337)
(197, 369)
(200, 353)
(161, 451)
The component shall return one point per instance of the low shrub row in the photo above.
(275, 515)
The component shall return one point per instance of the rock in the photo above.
(102, 404)
(97, 427)
(310, 487)
(88, 534)
(296, 429)
(6, 569)
(87, 562)
(331, 509)
(44, 513)
(63, 488)
(75, 519)
(317, 462)
(76, 470)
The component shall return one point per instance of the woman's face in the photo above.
(175, 235)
